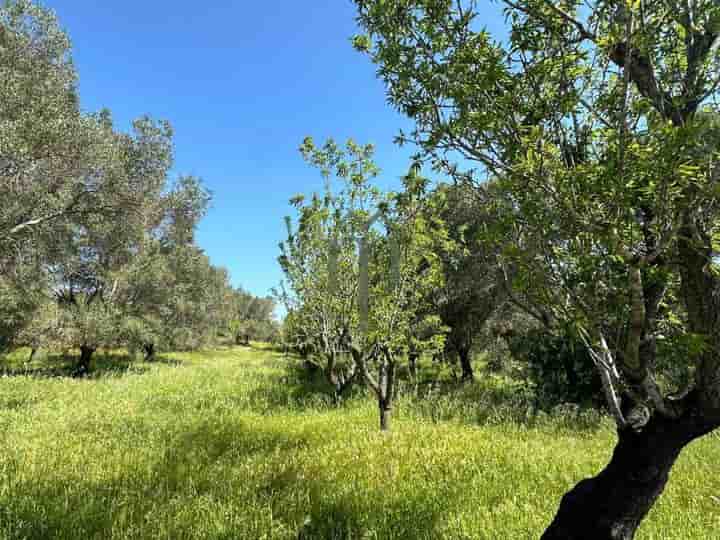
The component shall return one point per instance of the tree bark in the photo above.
(385, 414)
(386, 387)
(466, 364)
(611, 505)
(86, 353)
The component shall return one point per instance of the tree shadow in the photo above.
(106, 364)
(195, 466)
(294, 388)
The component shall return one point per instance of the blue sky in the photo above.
(242, 84)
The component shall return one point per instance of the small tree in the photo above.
(400, 271)
(320, 258)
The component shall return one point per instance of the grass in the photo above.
(235, 443)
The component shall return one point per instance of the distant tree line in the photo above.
(97, 244)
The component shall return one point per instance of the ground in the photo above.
(236, 443)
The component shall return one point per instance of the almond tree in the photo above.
(599, 124)
(398, 271)
(360, 266)
(320, 260)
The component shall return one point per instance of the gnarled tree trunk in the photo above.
(611, 505)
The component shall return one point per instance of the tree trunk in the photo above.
(149, 349)
(385, 414)
(466, 364)
(386, 387)
(33, 352)
(611, 505)
(412, 364)
(341, 385)
(86, 353)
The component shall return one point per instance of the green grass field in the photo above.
(236, 444)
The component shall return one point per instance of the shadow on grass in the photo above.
(66, 366)
(295, 387)
(199, 465)
(489, 399)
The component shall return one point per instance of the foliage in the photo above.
(605, 162)
(558, 366)
(359, 269)
(97, 244)
(252, 318)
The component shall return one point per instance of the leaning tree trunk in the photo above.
(611, 505)
(86, 353)
(33, 352)
(149, 349)
(466, 364)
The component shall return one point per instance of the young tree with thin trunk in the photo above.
(599, 124)
(398, 271)
(360, 268)
(320, 260)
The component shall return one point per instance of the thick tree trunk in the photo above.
(466, 364)
(611, 505)
(149, 349)
(86, 353)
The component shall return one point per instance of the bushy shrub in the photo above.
(559, 366)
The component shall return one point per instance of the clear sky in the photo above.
(242, 82)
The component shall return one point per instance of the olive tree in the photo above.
(474, 285)
(598, 122)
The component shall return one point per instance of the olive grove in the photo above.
(97, 243)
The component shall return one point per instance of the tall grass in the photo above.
(236, 444)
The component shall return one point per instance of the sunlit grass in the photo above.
(233, 444)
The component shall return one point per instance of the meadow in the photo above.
(239, 443)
